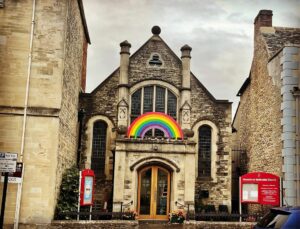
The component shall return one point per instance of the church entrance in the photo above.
(154, 193)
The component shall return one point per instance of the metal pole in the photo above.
(78, 207)
(90, 212)
(280, 191)
(240, 199)
(18, 203)
(121, 211)
(3, 199)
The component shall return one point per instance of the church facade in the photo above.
(154, 135)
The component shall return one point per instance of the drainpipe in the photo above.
(296, 93)
(27, 82)
(20, 186)
(81, 114)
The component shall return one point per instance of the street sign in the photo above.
(15, 177)
(8, 162)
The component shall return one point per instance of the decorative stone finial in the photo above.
(125, 43)
(156, 30)
(125, 47)
(186, 51)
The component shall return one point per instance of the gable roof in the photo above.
(176, 57)
(279, 37)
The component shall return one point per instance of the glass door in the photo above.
(154, 193)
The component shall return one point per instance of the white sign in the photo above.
(8, 156)
(8, 162)
(13, 180)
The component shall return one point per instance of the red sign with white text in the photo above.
(87, 187)
(261, 188)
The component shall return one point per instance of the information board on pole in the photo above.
(87, 187)
(15, 177)
(8, 162)
(261, 188)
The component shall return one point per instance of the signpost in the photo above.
(8, 162)
(86, 189)
(16, 177)
(260, 188)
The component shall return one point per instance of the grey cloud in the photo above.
(220, 33)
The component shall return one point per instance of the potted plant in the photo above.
(177, 216)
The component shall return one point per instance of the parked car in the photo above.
(281, 218)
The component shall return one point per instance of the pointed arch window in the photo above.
(99, 147)
(204, 151)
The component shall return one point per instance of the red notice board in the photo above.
(260, 188)
(87, 187)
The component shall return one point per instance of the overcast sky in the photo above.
(220, 33)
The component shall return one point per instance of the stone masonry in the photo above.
(58, 42)
(102, 102)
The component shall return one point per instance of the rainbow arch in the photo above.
(156, 120)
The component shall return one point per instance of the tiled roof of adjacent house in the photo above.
(282, 36)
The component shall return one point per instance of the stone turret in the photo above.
(123, 87)
(185, 101)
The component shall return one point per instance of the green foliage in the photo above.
(68, 196)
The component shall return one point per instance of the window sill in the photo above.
(204, 179)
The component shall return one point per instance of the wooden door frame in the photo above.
(153, 199)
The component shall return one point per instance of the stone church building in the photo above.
(155, 171)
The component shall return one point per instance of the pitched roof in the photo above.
(279, 37)
(176, 57)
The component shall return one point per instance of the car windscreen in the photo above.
(274, 219)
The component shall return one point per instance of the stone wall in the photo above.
(259, 128)
(14, 48)
(140, 70)
(103, 101)
(53, 98)
(134, 224)
(71, 87)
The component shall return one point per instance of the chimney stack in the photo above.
(263, 19)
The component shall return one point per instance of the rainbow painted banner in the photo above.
(156, 120)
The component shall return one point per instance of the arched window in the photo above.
(99, 148)
(204, 151)
(153, 98)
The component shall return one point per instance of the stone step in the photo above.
(149, 221)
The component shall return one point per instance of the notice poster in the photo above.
(250, 192)
(87, 187)
(88, 190)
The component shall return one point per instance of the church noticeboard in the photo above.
(87, 187)
(261, 188)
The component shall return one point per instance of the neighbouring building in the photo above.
(137, 159)
(266, 124)
(43, 48)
